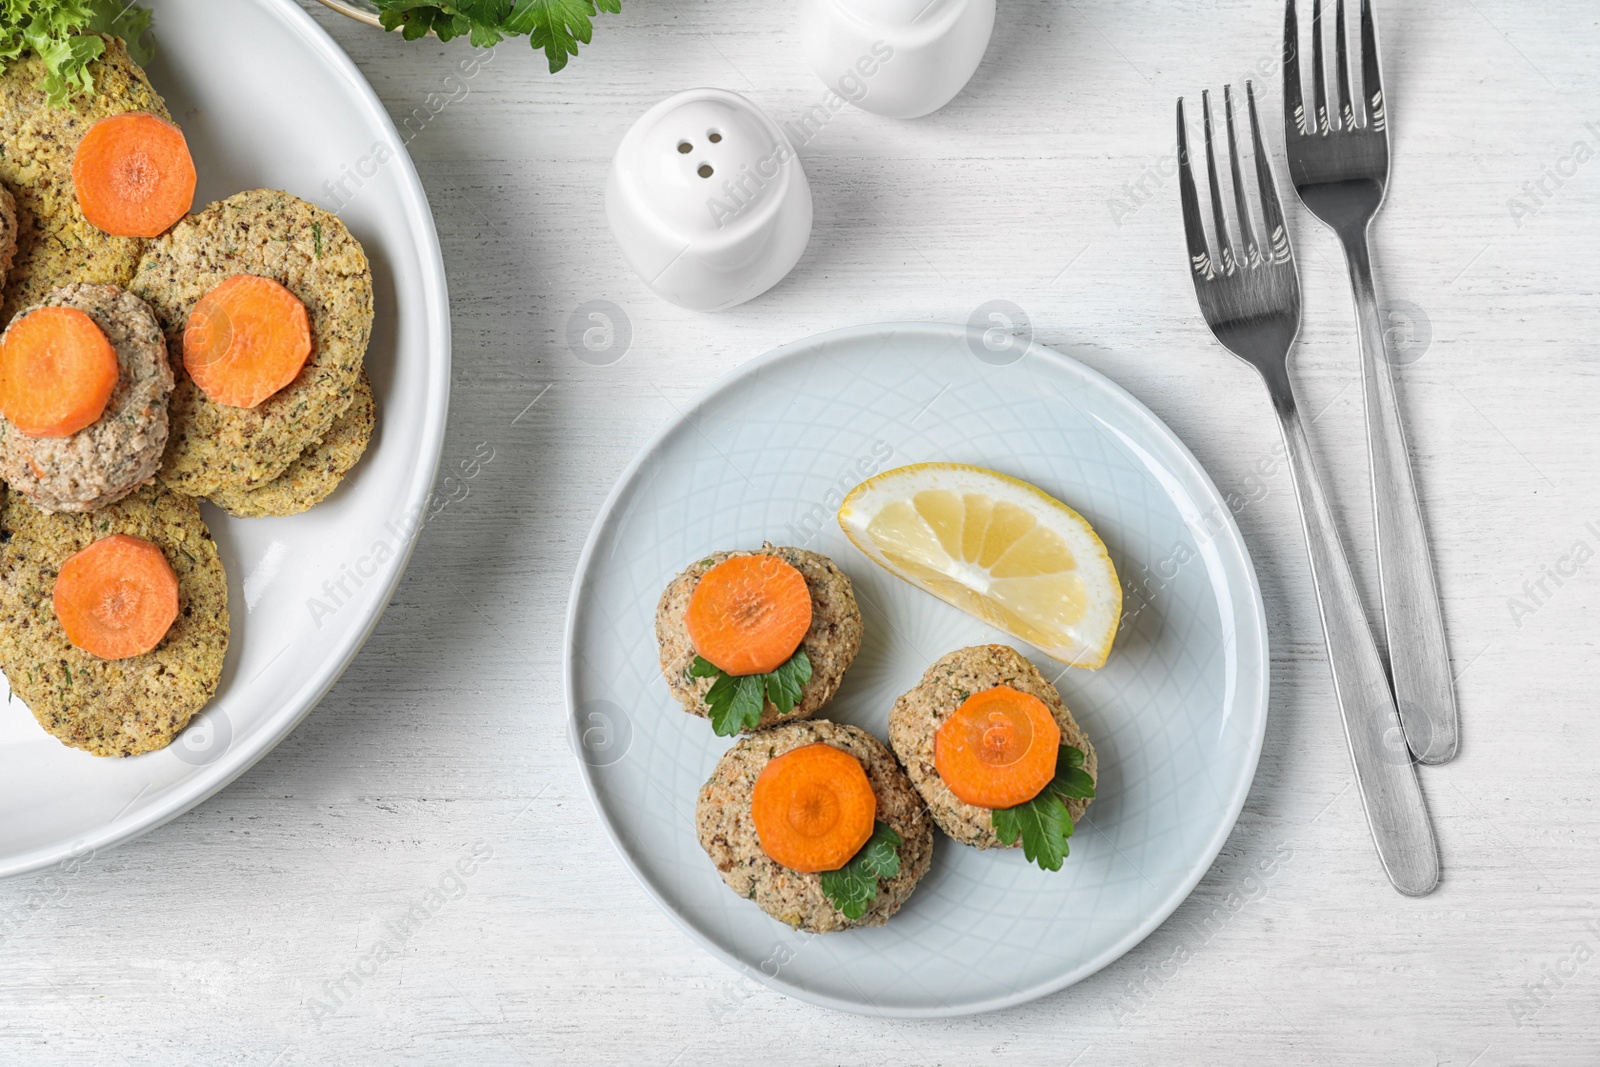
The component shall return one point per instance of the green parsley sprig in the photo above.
(1043, 822)
(64, 33)
(736, 700)
(557, 26)
(853, 887)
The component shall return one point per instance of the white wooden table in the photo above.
(224, 937)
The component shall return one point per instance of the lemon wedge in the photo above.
(997, 548)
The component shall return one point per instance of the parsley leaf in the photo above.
(556, 26)
(1043, 822)
(785, 683)
(854, 886)
(736, 701)
(417, 18)
(63, 34)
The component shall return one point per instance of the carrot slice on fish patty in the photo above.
(133, 175)
(116, 598)
(813, 808)
(748, 614)
(998, 749)
(57, 372)
(246, 339)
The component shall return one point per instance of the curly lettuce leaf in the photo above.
(128, 21)
(64, 34)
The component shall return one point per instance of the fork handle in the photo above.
(1419, 658)
(1385, 775)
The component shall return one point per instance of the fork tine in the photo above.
(1224, 246)
(1241, 203)
(1371, 83)
(1193, 230)
(1319, 83)
(1277, 236)
(1347, 115)
(1293, 103)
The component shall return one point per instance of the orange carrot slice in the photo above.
(749, 614)
(57, 372)
(246, 339)
(998, 749)
(133, 175)
(117, 598)
(813, 808)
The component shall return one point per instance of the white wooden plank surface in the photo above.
(207, 941)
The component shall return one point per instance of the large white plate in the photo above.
(266, 99)
(1177, 714)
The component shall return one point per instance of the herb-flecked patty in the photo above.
(8, 232)
(944, 687)
(728, 834)
(271, 234)
(55, 243)
(111, 707)
(318, 471)
(118, 452)
(830, 644)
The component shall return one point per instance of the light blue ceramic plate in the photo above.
(1177, 714)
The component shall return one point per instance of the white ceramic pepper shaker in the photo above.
(708, 200)
(901, 58)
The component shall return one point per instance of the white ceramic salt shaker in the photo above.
(900, 58)
(708, 200)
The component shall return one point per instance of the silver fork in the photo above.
(1251, 300)
(1340, 173)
